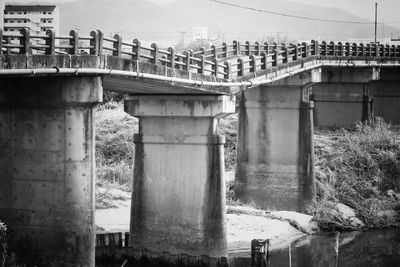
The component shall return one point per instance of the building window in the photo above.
(19, 21)
(49, 13)
(25, 13)
(44, 12)
(11, 13)
(19, 12)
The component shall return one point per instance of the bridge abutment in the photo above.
(178, 199)
(342, 98)
(275, 162)
(47, 168)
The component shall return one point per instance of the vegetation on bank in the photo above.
(358, 167)
(361, 169)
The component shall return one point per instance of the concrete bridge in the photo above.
(50, 85)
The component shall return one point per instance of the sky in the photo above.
(388, 10)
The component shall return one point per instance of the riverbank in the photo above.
(243, 224)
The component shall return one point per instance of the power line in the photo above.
(288, 15)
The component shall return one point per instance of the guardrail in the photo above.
(224, 61)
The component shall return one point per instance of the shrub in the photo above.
(361, 169)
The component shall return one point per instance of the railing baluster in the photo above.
(100, 34)
(171, 57)
(253, 63)
(188, 54)
(236, 48)
(154, 54)
(285, 54)
(355, 49)
(25, 41)
(333, 50)
(215, 67)
(137, 49)
(362, 49)
(50, 42)
(305, 51)
(225, 50)
(324, 51)
(315, 46)
(74, 43)
(202, 69)
(214, 51)
(94, 43)
(295, 51)
(227, 70)
(240, 67)
(247, 48)
(258, 48)
(369, 50)
(117, 46)
(264, 60)
(347, 49)
(275, 57)
(266, 47)
(1, 41)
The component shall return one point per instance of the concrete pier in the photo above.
(47, 168)
(385, 95)
(178, 200)
(275, 162)
(342, 99)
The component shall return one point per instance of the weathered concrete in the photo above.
(341, 99)
(385, 95)
(178, 199)
(275, 163)
(47, 168)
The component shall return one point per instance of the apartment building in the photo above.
(37, 18)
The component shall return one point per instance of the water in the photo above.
(367, 249)
(380, 248)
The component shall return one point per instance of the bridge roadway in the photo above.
(50, 85)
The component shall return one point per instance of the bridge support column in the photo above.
(47, 168)
(385, 95)
(342, 99)
(178, 199)
(275, 162)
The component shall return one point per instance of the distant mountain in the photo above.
(172, 21)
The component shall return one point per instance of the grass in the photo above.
(361, 169)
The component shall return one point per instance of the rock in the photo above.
(301, 221)
(348, 215)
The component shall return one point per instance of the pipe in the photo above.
(93, 71)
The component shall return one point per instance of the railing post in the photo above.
(136, 49)
(188, 54)
(236, 48)
(154, 53)
(215, 67)
(247, 48)
(225, 50)
(214, 51)
(332, 44)
(94, 43)
(394, 51)
(315, 45)
(266, 47)
(275, 57)
(285, 54)
(295, 51)
(341, 50)
(101, 41)
(50, 42)
(264, 60)
(240, 67)
(203, 51)
(117, 46)
(253, 63)
(387, 50)
(305, 51)
(369, 50)
(227, 70)
(202, 69)
(355, 49)
(1, 41)
(258, 48)
(74, 43)
(347, 49)
(324, 51)
(362, 49)
(171, 57)
(26, 41)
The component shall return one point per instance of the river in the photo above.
(367, 249)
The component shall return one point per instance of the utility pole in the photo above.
(376, 19)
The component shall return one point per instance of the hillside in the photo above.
(153, 22)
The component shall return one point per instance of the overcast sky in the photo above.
(389, 10)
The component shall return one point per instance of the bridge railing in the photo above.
(222, 61)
